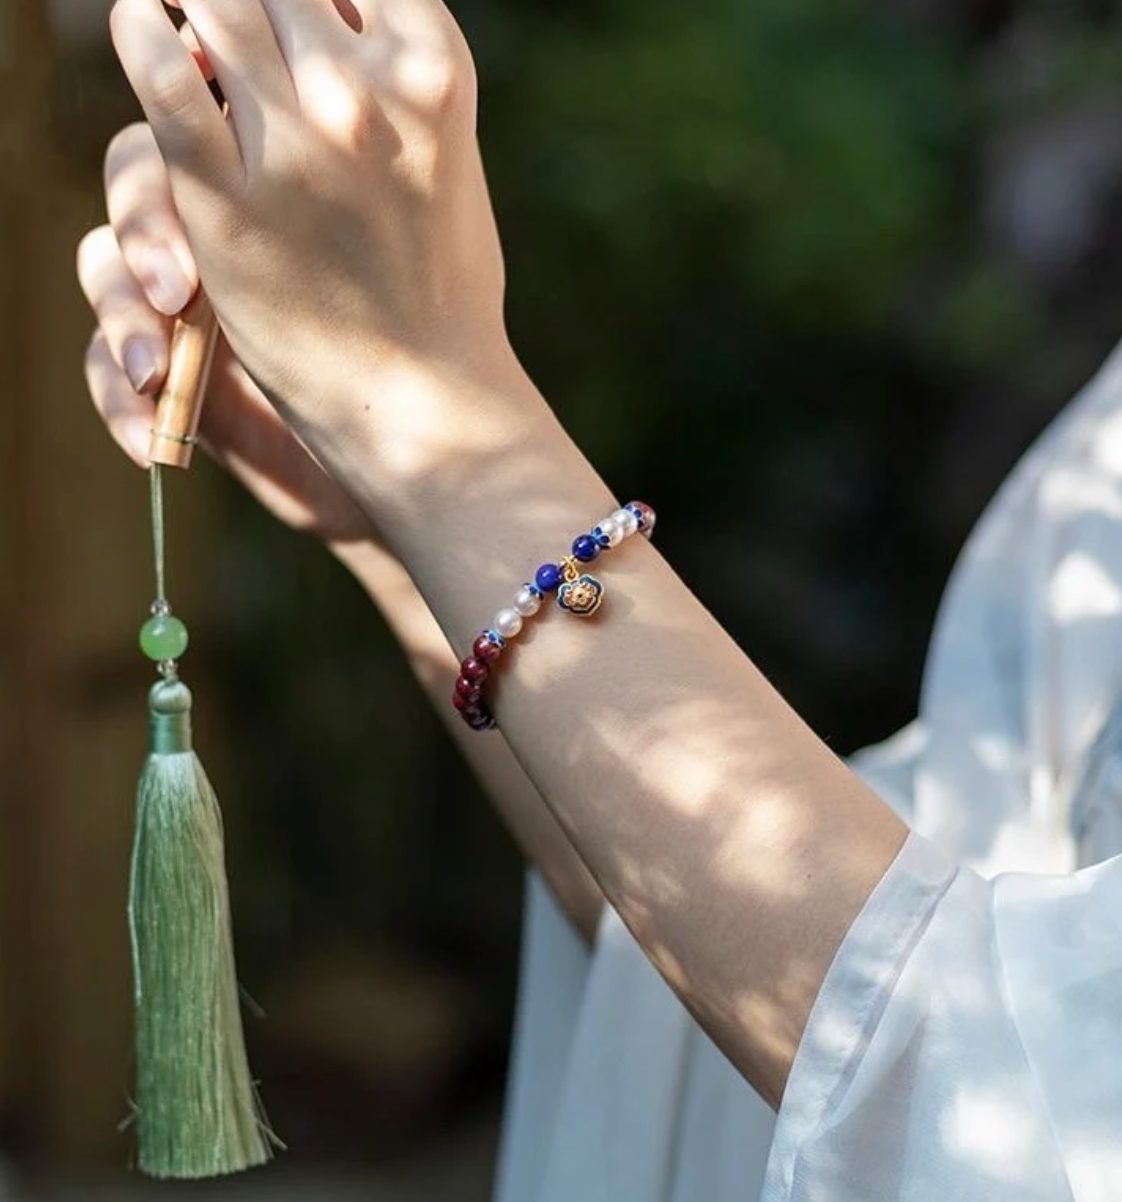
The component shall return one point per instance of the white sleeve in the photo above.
(965, 1045)
(554, 978)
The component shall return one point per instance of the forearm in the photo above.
(708, 813)
(711, 817)
(519, 804)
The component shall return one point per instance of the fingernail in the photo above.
(165, 282)
(142, 364)
(137, 439)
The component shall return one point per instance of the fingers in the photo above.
(424, 60)
(238, 42)
(408, 61)
(144, 218)
(353, 14)
(417, 22)
(320, 49)
(127, 415)
(269, 54)
(135, 335)
(307, 27)
(197, 52)
(195, 141)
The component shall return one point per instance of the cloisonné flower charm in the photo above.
(581, 594)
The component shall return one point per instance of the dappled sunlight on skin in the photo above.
(668, 770)
(685, 756)
(733, 844)
(705, 809)
(417, 435)
(420, 75)
(332, 102)
(709, 814)
(663, 885)
(637, 769)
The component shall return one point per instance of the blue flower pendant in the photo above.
(581, 594)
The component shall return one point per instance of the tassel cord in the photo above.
(157, 495)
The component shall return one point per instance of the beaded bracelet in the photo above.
(578, 593)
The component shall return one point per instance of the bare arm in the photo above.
(735, 845)
(519, 804)
(141, 260)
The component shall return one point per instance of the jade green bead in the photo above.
(163, 637)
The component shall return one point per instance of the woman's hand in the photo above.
(137, 271)
(340, 218)
(342, 228)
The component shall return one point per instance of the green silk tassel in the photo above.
(197, 1110)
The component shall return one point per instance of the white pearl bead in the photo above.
(612, 531)
(527, 602)
(508, 622)
(628, 522)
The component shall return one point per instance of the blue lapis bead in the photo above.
(585, 548)
(548, 577)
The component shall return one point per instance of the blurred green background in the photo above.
(806, 274)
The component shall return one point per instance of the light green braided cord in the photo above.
(156, 479)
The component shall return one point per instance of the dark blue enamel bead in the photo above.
(549, 577)
(585, 548)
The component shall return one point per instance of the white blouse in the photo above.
(967, 1042)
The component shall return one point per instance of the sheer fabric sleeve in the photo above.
(964, 1045)
(555, 968)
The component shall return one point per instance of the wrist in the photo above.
(428, 441)
(471, 480)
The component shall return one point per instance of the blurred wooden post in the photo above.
(23, 48)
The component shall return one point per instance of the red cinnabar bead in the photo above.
(475, 669)
(486, 651)
(470, 690)
(463, 704)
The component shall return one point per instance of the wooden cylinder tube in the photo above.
(181, 402)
